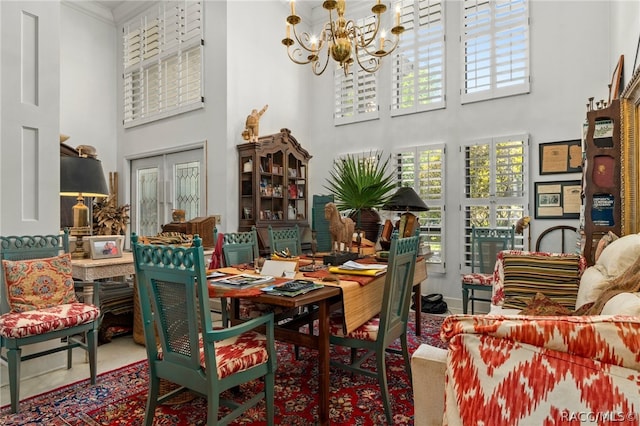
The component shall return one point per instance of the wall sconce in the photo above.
(81, 177)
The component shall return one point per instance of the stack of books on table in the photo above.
(355, 268)
(242, 280)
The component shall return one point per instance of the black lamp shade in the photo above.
(82, 175)
(405, 199)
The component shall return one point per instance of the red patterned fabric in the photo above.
(510, 370)
(39, 283)
(40, 321)
(236, 353)
(479, 279)
(498, 273)
(367, 331)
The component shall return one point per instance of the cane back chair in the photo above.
(173, 292)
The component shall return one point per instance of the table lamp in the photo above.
(404, 200)
(81, 177)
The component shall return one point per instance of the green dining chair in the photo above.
(173, 293)
(285, 239)
(239, 247)
(376, 335)
(31, 313)
(486, 243)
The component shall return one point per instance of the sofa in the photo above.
(510, 368)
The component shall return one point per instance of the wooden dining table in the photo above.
(359, 304)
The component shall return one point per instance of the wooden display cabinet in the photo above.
(273, 185)
(602, 177)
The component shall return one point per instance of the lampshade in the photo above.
(80, 175)
(405, 199)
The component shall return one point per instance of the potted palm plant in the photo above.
(362, 183)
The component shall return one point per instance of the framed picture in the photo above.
(561, 157)
(106, 246)
(558, 200)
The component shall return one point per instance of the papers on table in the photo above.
(363, 266)
(242, 280)
(273, 289)
(355, 268)
(279, 268)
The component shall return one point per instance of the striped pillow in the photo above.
(556, 277)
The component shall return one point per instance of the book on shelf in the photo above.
(242, 280)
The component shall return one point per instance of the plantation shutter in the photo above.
(356, 97)
(423, 169)
(495, 49)
(418, 73)
(162, 57)
(495, 191)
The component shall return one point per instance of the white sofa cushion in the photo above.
(614, 260)
(623, 304)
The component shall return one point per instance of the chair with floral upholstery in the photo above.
(187, 350)
(38, 303)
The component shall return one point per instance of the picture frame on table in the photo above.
(560, 157)
(106, 246)
(558, 200)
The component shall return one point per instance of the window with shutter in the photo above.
(356, 97)
(495, 190)
(423, 169)
(162, 59)
(495, 49)
(418, 73)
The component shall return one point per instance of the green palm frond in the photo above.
(361, 181)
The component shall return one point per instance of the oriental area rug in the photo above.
(119, 397)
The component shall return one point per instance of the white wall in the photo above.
(564, 74)
(29, 107)
(88, 78)
(625, 35)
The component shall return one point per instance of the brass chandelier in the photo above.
(343, 39)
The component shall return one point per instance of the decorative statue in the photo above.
(341, 228)
(252, 124)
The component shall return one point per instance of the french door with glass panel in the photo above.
(163, 183)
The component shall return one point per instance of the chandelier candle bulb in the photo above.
(382, 41)
(397, 16)
(288, 31)
(293, 7)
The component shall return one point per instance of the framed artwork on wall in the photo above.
(558, 200)
(106, 246)
(561, 157)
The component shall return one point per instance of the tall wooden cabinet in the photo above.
(602, 177)
(273, 185)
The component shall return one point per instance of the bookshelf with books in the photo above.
(602, 176)
(273, 185)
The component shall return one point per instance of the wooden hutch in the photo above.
(273, 186)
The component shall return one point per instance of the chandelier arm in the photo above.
(301, 39)
(315, 66)
(365, 42)
(379, 54)
(297, 52)
(374, 60)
